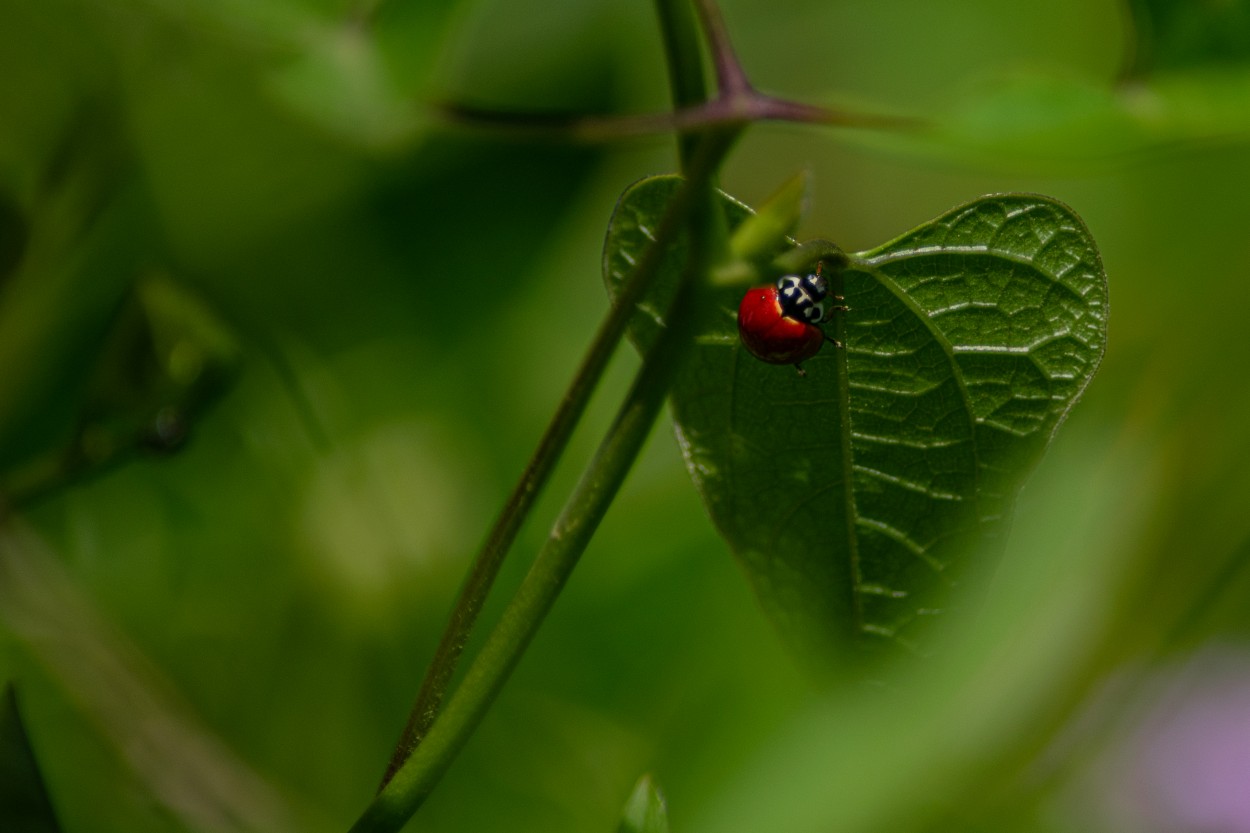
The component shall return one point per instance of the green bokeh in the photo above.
(411, 299)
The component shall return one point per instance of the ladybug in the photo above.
(779, 324)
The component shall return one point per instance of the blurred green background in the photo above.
(229, 638)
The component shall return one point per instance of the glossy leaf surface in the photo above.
(855, 496)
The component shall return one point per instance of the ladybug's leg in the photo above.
(829, 311)
(800, 369)
(829, 314)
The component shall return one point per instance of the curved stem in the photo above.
(700, 159)
(413, 781)
(489, 559)
(416, 777)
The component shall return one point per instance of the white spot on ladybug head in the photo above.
(800, 297)
(815, 286)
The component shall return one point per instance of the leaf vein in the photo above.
(905, 443)
(904, 483)
(902, 539)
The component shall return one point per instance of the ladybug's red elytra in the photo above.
(779, 324)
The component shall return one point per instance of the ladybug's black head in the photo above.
(801, 297)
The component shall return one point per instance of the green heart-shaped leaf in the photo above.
(855, 496)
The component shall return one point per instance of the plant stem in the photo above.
(489, 559)
(731, 78)
(688, 88)
(721, 112)
(735, 103)
(685, 67)
(414, 780)
(700, 157)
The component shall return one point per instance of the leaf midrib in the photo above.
(868, 267)
(850, 507)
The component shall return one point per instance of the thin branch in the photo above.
(586, 506)
(684, 58)
(715, 114)
(489, 559)
(731, 78)
(414, 780)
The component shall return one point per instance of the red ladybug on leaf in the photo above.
(779, 324)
